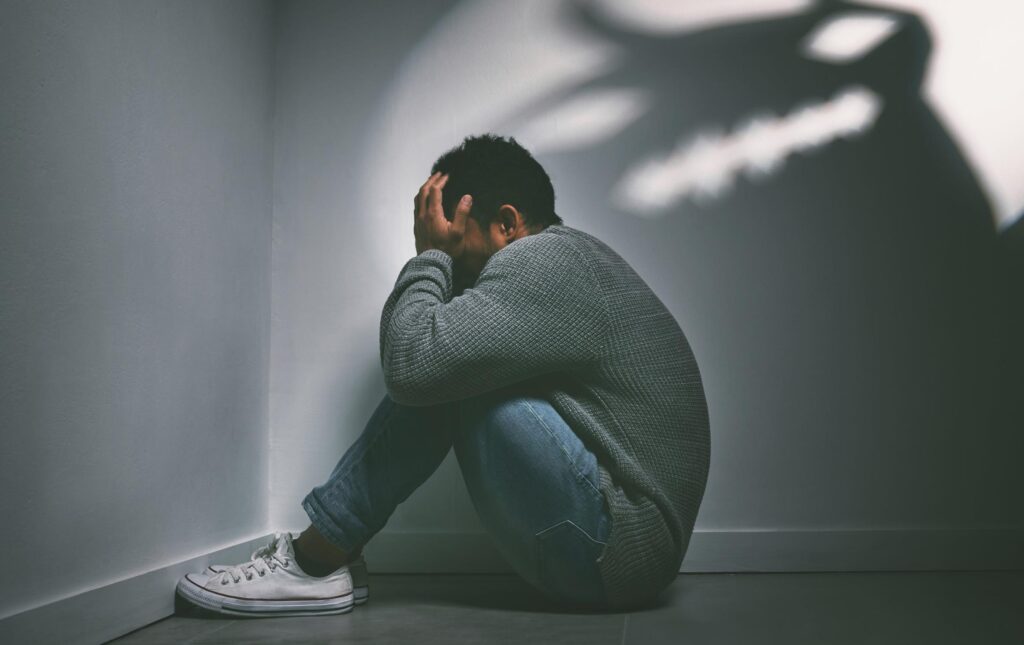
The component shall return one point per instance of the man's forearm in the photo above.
(535, 308)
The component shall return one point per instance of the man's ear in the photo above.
(510, 223)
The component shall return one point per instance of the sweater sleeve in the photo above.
(535, 308)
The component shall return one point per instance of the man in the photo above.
(568, 391)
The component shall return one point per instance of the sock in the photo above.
(311, 566)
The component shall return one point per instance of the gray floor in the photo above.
(975, 608)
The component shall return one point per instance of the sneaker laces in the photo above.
(264, 559)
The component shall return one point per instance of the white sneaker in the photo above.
(270, 584)
(357, 568)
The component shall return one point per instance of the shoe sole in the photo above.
(235, 606)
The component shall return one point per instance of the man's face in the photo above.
(479, 246)
(481, 243)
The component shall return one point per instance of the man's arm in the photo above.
(536, 308)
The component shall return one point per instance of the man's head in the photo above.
(512, 196)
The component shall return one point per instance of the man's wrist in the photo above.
(439, 255)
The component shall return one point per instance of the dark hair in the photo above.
(497, 171)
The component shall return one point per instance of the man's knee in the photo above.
(490, 427)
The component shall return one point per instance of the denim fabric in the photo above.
(532, 482)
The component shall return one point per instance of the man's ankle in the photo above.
(313, 567)
(314, 548)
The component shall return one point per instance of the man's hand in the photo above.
(431, 228)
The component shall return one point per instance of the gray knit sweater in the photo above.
(564, 314)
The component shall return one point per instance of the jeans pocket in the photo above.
(567, 564)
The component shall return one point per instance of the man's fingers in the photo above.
(434, 202)
(424, 192)
(421, 196)
(461, 213)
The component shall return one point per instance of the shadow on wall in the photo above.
(838, 216)
(1011, 267)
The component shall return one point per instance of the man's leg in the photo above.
(400, 447)
(535, 487)
(532, 481)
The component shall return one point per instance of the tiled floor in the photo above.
(933, 608)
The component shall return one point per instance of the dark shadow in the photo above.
(490, 591)
(861, 275)
(182, 607)
(485, 591)
(1011, 272)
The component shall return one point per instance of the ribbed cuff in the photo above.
(640, 559)
(432, 264)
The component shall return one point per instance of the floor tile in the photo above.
(421, 609)
(188, 623)
(933, 608)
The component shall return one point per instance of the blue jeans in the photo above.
(531, 480)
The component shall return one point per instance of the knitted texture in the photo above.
(562, 314)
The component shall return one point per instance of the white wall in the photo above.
(845, 310)
(335, 62)
(135, 223)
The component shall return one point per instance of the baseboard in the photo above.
(112, 610)
(981, 549)
(738, 551)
